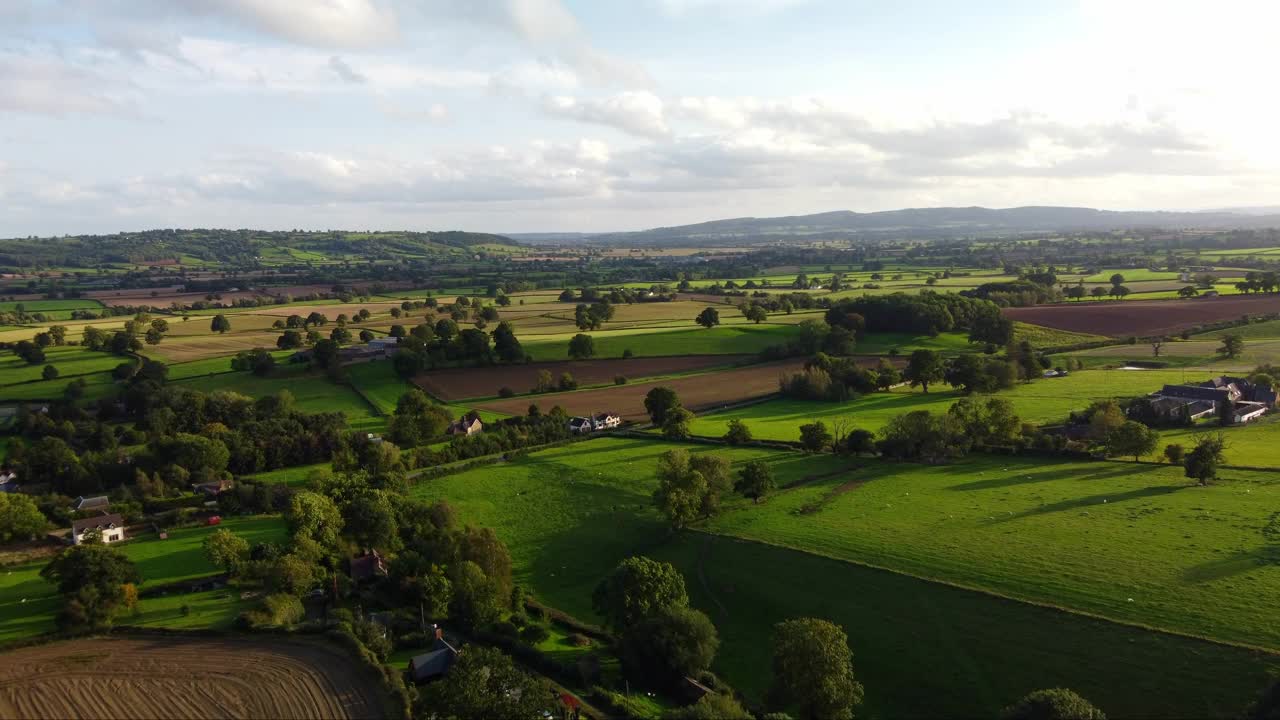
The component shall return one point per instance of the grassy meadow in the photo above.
(28, 604)
(571, 513)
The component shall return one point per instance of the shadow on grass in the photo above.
(1235, 564)
(1093, 500)
(1015, 477)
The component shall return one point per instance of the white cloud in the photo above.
(42, 82)
(324, 23)
(681, 8)
(635, 112)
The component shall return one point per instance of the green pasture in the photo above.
(71, 362)
(44, 306)
(292, 476)
(1136, 543)
(312, 391)
(28, 604)
(569, 514)
(1044, 400)
(923, 649)
(926, 650)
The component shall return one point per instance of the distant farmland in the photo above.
(1143, 317)
(461, 383)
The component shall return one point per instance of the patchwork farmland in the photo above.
(361, 463)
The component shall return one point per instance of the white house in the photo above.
(110, 528)
(605, 421)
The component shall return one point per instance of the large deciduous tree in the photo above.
(1054, 704)
(923, 368)
(20, 518)
(484, 683)
(813, 670)
(658, 402)
(637, 588)
(91, 577)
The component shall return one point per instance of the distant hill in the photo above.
(921, 222)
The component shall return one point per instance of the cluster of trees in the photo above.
(927, 313)
(190, 437)
(124, 342)
(837, 379)
(444, 344)
(813, 336)
(662, 640)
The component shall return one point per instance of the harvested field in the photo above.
(462, 383)
(1140, 317)
(175, 677)
(699, 392)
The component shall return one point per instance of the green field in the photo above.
(1131, 542)
(1046, 400)
(44, 306)
(925, 650)
(293, 476)
(313, 392)
(28, 604)
(71, 361)
(570, 514)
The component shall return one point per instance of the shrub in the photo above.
(506, 392)
(505, 629)
(620, 380)
(534, 634)
(579, 640)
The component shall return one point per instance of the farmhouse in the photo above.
(109, 527)
(468, 424)
(1246, 400)
(599, 421)
(376, 349)
(435, 662)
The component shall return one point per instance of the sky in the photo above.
(603, 115)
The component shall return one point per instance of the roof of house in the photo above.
(97, 501)
(1195, 392)
(366, 566)
(98, 522)
(434, 662)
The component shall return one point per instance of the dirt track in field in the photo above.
(176, 677)
(462, 383)
(1143, 317)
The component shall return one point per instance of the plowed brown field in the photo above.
(697, 392)
(1143, 317)
(173, 677)
(461, 383)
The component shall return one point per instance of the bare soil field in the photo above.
(697, 392)
(461, 383)
(175, 677)
(1143, 317)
